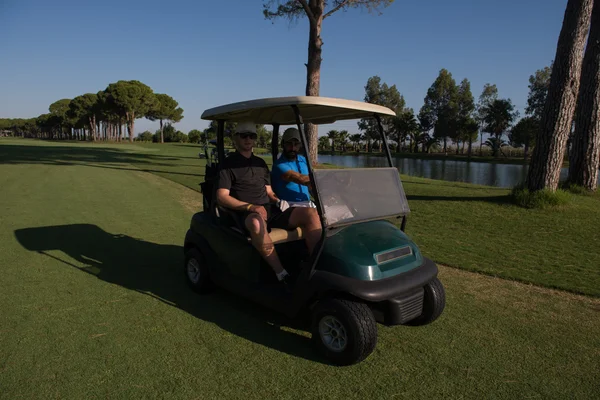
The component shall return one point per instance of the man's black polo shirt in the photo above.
(245, 178)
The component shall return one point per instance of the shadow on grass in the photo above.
(488, 199)
(157, 270)
(97, 157)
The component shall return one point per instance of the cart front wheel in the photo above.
(344, 331)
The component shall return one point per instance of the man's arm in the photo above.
(293, 176)
(272, 196)
(226, 200)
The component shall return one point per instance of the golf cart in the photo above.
(364, 269)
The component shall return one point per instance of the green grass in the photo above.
(94, 304)
(477, 228)
(541, 199)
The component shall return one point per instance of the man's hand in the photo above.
(260, 210)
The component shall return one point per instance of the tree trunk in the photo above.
(445, 140)
(162, 137)
(470, 146)
(313, 72)
(130, 124)
(548, 153)
(481, 144)
(526, 151)
(120, 132)
(583, 161)
(92, 121)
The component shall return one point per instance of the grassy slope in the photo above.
(94, 306)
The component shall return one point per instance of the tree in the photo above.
(85, 108)
(523, 133)
(168, 133)
(547, 157)
(469, 132)
(585, 153)
(59, 110)
(465, 105)
(440, 104)
(264, 136)
(323, 142)
(343, 139)
(426, 120)
(383, 95)
(355, 139)
(165, 109)
(333, 136)
(496, 144)
(406, 125)
(497, 117)
(145, 136)
(538, 91)
(487, 96)
(60, 107)
(108, 113)
(133, 99)
(194, 136)
(316, 11)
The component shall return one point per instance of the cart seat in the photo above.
(277, 235)
(283, 236)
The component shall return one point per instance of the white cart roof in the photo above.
(278, 110)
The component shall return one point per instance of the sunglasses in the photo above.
(248, 135)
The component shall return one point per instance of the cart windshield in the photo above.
(360, 194)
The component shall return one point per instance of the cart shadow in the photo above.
(156, 270)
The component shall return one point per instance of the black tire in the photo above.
(199, 282)
(434, 302)
(359, 329)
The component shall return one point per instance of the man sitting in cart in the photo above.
(245, 187)
(290, 172)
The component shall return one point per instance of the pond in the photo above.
(499, 175)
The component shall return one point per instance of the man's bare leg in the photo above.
(262, 241)
(307, 218)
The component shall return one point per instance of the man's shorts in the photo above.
(275, 217)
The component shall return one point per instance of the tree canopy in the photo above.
(165, 108)
(380, 93)
(132, 99)
(538, 91)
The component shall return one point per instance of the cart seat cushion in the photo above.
(282, 235)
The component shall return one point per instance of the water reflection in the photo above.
(500, 175)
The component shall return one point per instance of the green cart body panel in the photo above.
(369, 251)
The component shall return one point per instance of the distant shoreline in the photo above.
(441, 156)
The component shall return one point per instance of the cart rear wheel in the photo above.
(344, 331)
(434, 302)
(196, 271)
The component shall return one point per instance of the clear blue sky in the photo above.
(207, 53)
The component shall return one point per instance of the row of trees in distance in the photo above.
(449, 113)
(99, 116)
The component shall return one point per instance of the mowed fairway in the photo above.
(94, 305)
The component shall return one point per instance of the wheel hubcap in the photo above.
(193, 270)
(333, 333)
